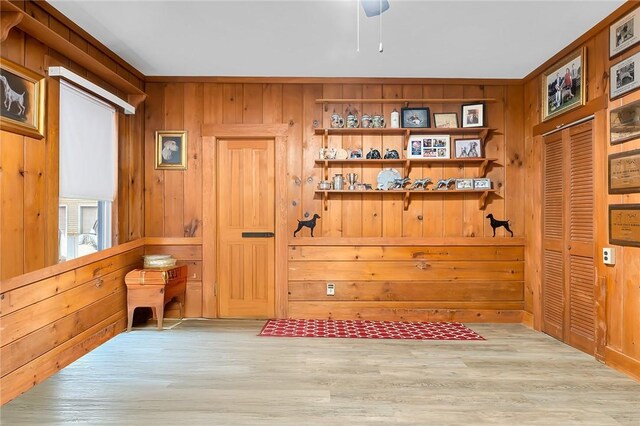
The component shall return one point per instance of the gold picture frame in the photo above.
(171, 150)
(563, 87)
(22, 100)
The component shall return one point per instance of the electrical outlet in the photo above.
(609, 256)
(331, 289)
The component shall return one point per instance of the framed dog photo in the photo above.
(624, 33)
(562, 85)
(435, 147)
(464, 184)
(415, 118)
(623, 76)
(22, 106)
(171, 150)
(481, 184)
(445, 120)
(473, 115)
(468, 148)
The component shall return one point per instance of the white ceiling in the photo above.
(456, 39)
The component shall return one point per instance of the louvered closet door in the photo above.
(580, 274)
(553, 238)
(568, 306)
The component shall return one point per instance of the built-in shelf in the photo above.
(405, 101)
(407, 162)
(407, 194)
(404, 241)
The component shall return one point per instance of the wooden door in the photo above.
(568, 303)
(246, 223)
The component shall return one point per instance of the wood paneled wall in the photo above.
(29, 167)
(51, 317)
(479, 283)
(617, 288)
(173, 199)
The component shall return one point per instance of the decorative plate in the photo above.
(386, 177)
(341, 154)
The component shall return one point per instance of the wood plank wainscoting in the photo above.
(453, 279)
(53, 316)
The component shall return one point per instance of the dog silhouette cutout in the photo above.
(311, 223)
(495, 223)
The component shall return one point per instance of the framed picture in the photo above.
(468, 148)
(22, 107)
(171, 150)
(624, 33)
(482, 183)
(473, 115)
(445, 120)
(415, 118)
(624, 224)
(624, 172)
(624, 123)
(434, 147)
(623, 76)
(464, 184)
(562, 85)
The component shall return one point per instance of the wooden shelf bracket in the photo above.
(8, 20)
(482, 202)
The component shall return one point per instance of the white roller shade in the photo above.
(88, 146)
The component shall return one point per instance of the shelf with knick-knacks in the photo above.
(390, 182)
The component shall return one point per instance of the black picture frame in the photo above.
(415, 118)
(472, 115)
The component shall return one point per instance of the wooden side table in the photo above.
(154, 288)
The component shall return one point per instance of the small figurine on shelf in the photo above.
(400, 183)
(373, 154)
(311, 223)
(391, 154)
(443, 184)
(356, 153)
(495, 223)
(421, 183)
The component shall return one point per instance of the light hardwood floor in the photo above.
(219, 372)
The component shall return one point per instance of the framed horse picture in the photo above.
(22, 100)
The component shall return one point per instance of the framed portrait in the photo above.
(623, 76)
(624, 172)
(415, 118)
(468, 148)
(464, 184)
(445, 120)
(624, 33)
(473, 115)
(482, 184)
(22, 106)
(624, 123)
(624, 224)
(562, 85)
(171, 150)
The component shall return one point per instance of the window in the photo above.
(88, 171)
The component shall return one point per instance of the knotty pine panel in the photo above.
(50, 318)
(618, 332)
(29, 208)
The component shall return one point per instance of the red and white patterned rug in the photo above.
(362, 329)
